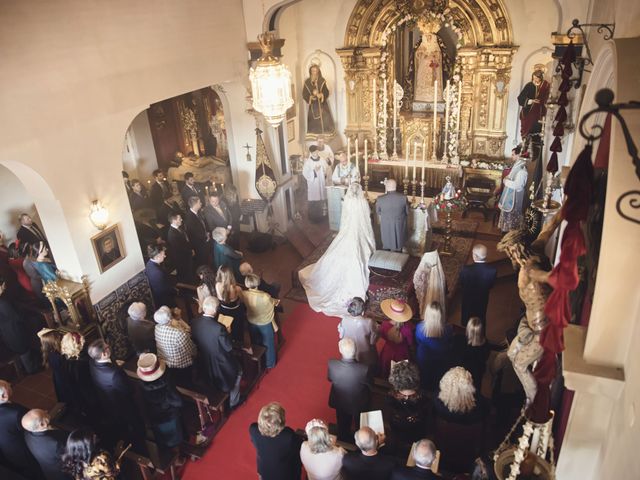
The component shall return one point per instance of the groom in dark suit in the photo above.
(393, 210)
(476, 281)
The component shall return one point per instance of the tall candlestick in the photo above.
(374, 106)
(406, 160)
(366, 157)
(446, 121)
(356, 162)
(415, 150)
(435, 108)
(424, 154)
(395, 120)
(384, 119)
(348, 149)
(459, 108)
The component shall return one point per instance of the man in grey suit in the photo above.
(350, 388)
(392, 208)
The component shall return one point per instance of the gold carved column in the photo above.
(360, 67)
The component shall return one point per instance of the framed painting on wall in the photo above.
(291, 130)
(108, 247)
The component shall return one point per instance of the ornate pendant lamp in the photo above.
(270, 83)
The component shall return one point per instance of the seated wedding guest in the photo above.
(189, 190)
(261, 317)
(52, 358)
(45, 443)
(476, 282)
(350, 388)
(216, 352)
(230, 296)
(16, 263)
(174, 345)
(277, 446)
(321, 457)
(162, 287)
(368, 463)
(472, 350)
(83, 396)
(196, 229)
(434, 339)
(207, 287)
(29, 231)
(138, 198)
(82, 459)
(42, 263)
(17, 333)
(115, 397)
(140, 330)
(457, 400)
(180, 249)
(407, 404)
(159, 192)
(28, 265)
(223, 254)
(363, 331)
(13, 448)
(163, 404)
(424, 456)
(272, 289)
(397, 332)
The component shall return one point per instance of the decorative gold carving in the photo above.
(483, 101)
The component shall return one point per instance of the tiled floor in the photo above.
(277, 265)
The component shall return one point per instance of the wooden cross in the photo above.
(248, 147)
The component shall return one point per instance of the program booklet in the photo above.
(372, 420)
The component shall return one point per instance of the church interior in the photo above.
(189, 161)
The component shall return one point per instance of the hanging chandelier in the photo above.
(270, 83)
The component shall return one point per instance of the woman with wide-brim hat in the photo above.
(162, 401)
(398, 333)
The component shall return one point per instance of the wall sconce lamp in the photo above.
(99, 215)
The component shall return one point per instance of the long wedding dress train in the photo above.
(430, 283)
(343, 271)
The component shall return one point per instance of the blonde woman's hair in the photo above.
(433, 323)
(271, 419)
(227, 281)
(252, 281)
(475, 332)
(71, 345)
(319, 440)
(457, 391)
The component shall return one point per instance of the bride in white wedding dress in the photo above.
(343, 271)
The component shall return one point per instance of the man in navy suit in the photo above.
(162, 287)
(423, 455)
(476, 281)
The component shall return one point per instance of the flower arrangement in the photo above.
(482, 165)
(449, 205)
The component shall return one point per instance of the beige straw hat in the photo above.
(150, 368)
(396, 310)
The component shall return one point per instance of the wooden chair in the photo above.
(478, 192)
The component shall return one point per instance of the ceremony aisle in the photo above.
(298, 382)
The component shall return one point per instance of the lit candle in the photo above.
(395, 118)
(406, 160)
(384, 116)
(435, 108)
(415, 150)
(424, 162)
(446, 118)
(356, 162)
(366, 158)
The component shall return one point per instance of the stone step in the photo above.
(299, 240)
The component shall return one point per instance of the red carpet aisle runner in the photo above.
(299, 383)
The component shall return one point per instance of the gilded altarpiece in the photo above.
(483, 55)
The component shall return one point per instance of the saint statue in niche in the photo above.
(219, 131)
(428, 63)
(315, 93)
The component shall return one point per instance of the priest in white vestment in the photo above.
(345, 171)
(315, 171)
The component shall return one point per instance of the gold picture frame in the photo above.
(291, 130)
(105, 256)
